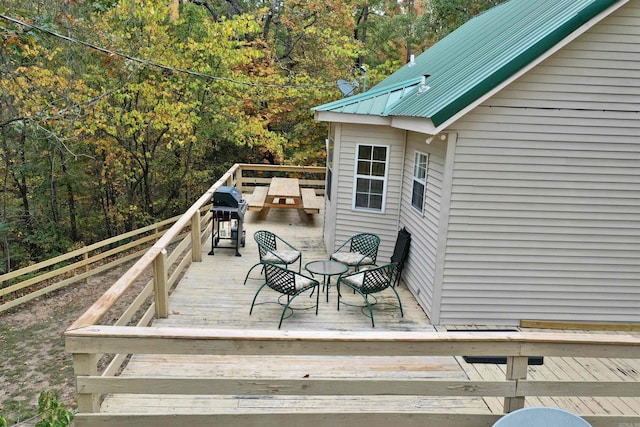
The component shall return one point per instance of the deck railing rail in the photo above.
(88, 340)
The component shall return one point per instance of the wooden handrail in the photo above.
(310, 342)
(86, 261)
(393, 345)
(97, 311)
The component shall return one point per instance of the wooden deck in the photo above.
(211, 294)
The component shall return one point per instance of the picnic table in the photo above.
(285, 193)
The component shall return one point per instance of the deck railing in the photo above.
(88, 340)
(23, 285)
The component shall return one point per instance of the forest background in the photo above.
(115, 114)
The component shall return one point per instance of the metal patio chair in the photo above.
(358, 251)
(539, 416)
(275, 250)
(371, 281)
(288, 283)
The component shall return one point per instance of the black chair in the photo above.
(288, 283)
(358, 251)
(371, 281)
(401, 251)
(275, 250)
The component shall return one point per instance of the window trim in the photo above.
(384, 180)
(415, 179)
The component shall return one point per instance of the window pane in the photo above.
(380, 153)
(362, 200)
(364, 152)
(364, 168)
(417, 196)
(375, 202)
(377, 186)
(377, 169)
(422, 173)
(362, 185)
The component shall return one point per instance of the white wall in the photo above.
(419, 271)
(545, 208)
(350, 221)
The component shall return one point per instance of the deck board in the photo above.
(211, 294)
(564, 368)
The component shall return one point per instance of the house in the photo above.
(511, 152)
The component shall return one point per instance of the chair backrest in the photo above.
(401, 250)
(266, 241)
(280, 279)
(366, 244)
(379, 278)
(541, 417)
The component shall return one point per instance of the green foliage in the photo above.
(3, 421)
(93, 144)
(52, 412)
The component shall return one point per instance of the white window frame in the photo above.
(384, 179)
(417, 179)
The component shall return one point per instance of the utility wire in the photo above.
(157, 65)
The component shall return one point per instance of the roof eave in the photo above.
(545, 55)
(367, 119)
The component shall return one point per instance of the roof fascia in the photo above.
(571, 37)
(363, 119)
(414, 124)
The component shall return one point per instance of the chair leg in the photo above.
(370, 310)
(254, 299)
(290, 299)
(399, 302)
(249, 272)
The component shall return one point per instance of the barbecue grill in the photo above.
(228, 206)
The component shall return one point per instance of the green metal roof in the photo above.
(473, 59)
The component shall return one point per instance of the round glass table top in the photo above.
(326, 267)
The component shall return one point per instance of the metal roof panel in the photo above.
(475, 58)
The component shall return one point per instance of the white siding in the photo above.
(545, 209)
(352, 221)
(419, 271)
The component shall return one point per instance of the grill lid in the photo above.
(227, 196)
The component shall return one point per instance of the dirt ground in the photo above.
(32, 355)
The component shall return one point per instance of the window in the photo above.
(419, 181)
(371, 175)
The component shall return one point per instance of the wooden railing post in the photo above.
(196, 242)
(160, 284)
(85, 258)
(239, 179)
(85, 364)
(516, 370)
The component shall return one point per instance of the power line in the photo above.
(157, 65)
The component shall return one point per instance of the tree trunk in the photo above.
(71, 201)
